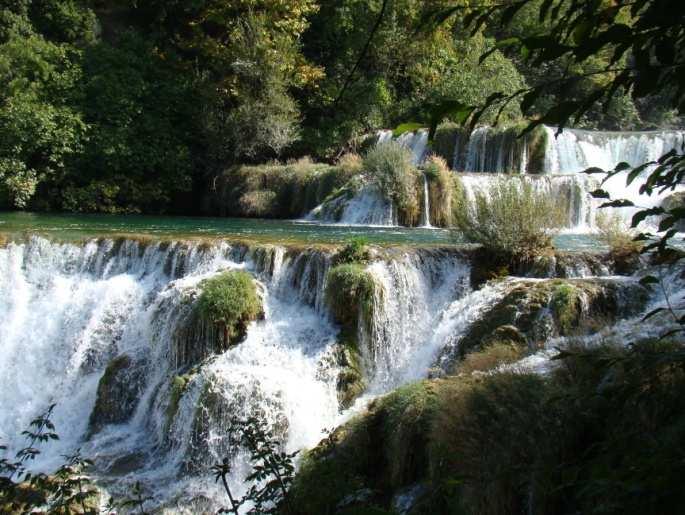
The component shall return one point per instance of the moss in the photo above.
(445, 141)
(355, 252)
(178, 387)
(536, 142)
(440, 191)
(382, 449)
(278, 190)
(600, 433)
(492, 356)
(566, 306)
(351, 382)
(350, 290)
(538, 310)
(230, 300)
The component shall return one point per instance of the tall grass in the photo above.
(513, 220)
(440, 190)
(389, 165)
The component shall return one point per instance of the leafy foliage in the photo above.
(272, 471)
(389, 165)
(67, 490)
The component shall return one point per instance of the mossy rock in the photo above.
(117, 394)
(230, 300)
(384, 449)
(179, 385)
(350, 291)
(538, 310)
(351, 381)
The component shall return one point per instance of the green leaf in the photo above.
(618, 203)
(406, 127)
(599, 193)
(648, 280)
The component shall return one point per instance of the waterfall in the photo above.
(576, 150)
(365, 207)
(416, 142)
(67, 310)
(488, 150)
(414, 288)
(425, 218)
(71, 311)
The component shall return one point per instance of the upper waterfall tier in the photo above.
(575, 150)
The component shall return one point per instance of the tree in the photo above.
(41, 130)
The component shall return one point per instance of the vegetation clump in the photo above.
(230, 301)
(350, 290)
(514, 222)
(389, 166)
(350, 294)
(440, 190)
(356, 251)
(624, 251)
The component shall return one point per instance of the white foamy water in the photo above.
(68, 310)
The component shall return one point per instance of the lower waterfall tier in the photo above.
(108, 331)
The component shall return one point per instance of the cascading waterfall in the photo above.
(573, 151)
(365, 207)
(426, 215)
(69, 310)
(488, 150)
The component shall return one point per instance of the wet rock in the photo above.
(533, 311)
(220, 411)
(118, 393)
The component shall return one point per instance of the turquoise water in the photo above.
(75, 227)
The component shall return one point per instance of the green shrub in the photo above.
(230, 301)
(258, 203)
(512, 221)
(356, 251)
(566, 306)
(389, 165)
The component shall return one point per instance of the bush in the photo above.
(389, 165)
(512, 221)
(258, 203)
(350, 164)
(614, 232)
(229, 300)
(356, 251)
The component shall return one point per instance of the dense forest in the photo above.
(126, 107)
